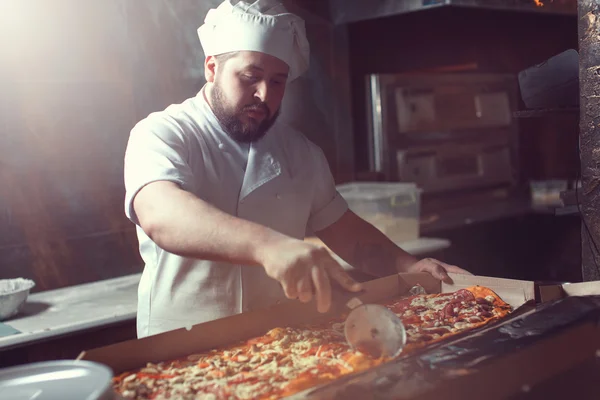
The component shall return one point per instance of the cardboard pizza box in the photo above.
(554, 292)
(202, 337)
(528, 368)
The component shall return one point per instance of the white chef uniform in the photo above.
(285, 185)
(282, 181)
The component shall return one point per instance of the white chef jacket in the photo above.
(282, 181)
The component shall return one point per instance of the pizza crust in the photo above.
(285, 361)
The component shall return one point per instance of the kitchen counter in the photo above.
(64, 311)
(76, 308)
(484, 211)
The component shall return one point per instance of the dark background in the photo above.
(79, 75)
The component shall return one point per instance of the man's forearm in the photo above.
(380, 256)
(364, 247)
(183, 224)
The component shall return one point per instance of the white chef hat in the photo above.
(257, 25)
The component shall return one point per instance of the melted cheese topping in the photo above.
(259, 373)
(430, 303)
(281, 362)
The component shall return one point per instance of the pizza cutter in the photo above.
(370, 328)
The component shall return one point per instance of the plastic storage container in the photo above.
(393, 208)
(547, 193)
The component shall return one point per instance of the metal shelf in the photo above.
(546, 112)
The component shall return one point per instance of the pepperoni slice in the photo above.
(464, 295)
(429, 324)
(449, 310)
(399, 307)
(430, 317)
(412, 320)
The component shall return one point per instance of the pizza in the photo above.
(434, 317)
(287, 360)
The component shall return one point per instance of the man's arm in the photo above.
(364, 247)
(181, 223)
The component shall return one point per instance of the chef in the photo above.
(223, 193)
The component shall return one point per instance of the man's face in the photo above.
(246, 93)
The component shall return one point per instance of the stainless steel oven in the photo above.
(443, 131)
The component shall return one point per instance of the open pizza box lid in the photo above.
(555, 292)
(205, 336)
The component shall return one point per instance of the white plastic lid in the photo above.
(376, 190)
(53, 380)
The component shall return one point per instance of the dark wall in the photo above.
(549, 147)
(78, 76)
(67, 107)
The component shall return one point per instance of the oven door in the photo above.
(455, 166)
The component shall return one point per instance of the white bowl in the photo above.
(13, 293)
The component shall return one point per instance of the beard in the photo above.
(240, 131)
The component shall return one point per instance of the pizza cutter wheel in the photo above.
(371, 328)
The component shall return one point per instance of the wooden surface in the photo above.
(537, 247)
(579, 382)
(70, 346)
(62, 312)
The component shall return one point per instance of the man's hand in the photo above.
(366, 248)
(436, 268)
(303, 269)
